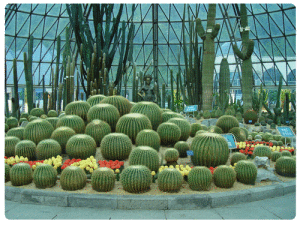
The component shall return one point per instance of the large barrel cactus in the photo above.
(148, 137)
(151, 110)
(182, 147)
(79, 108)
(200, 178)
(224, 176)
(17, 132)
(47, 148)
(121, 103)
(105, 112)
(136, 179)
(73, 121)
(103, 179)
(286, 166)
(97, 129)
(184, 125)
(73, 178)
(169, 180)
(81, 146)
(145, 155)
(131, 124)
(95, 99)
(262, 151)
(38, 130)
(169, 133)
(44, 176)
(210, 150)
(26, 148)
(227, 122)
(20, 174)
(62, 135)
(246, 172)
(10, 144)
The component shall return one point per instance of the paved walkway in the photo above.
(278, 208)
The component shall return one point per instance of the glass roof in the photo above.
(272, 27)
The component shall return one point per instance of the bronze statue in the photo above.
(147, 92)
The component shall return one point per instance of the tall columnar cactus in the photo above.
(10, 144)
(245, 56)
(103, 179)
(81, 146)
(208, 37)
(79, 108)
(62, 135)
(286, 166)
(209, 149)
(184, 125)
(169, 133)
(131, 124)
(227, 122)
(38, 130)
(73, 121)
(15, 99)
(136, 178)
(170, 180)
(224, 176)
(224, 84)
(73, 178)
(163, 96)
(200, 178)
(121, 103)
(262, 151)
(246, 172)
(44, 176)
(116, 146)
(20, 174)
(47, 148)
(144, 155)
(26, 148)
(148, 137)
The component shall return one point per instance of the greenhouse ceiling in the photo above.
(158, 39)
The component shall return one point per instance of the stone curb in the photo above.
(164, 202)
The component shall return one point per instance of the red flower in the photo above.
(250, 153)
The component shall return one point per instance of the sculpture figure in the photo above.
(147, 92)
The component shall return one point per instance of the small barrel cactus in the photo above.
(52, 113)
(246, 172)
(224, 176)
(286, 153)
(20, 174)
(44, 176)
(95, 99)
(182, 147)
(250, 116)
(103, 179)
(286, 140)
(37, 112)
(286, 166)
(148, 137)
(53, 121)
(253, 134)
(97, 129)
(47, 148)
(262, 151)
(215, 129)
(116, 146)
(277, 137)
(275, 155)
(38, 130)
(267, 137)
(145, 155)
(194, 128)
(169, 180)
(12, 122)
(206, 114)
(227, 122)
(169, 133)
(17, 132)
(237, 156)
(26, 148)
(62, 135)
(210, 150)
(238, 133)
(10, 144)
(136, 179)
(6, 128)
(81, 146)
(32, 118)
(73, 178)
(171, 155)
(184, 125)
(7, 172)
(121, 103)
(199, 178)
(73, 121)
(79, 108)
(170, 114)
(24, 115)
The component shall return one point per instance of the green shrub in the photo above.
(95, 99)
(246, 172)
(44, 176)
(121, 103)
(97, 129)
(210, 150)
(145, 155)
(62, 135)
(250, 117)
(79, 108)
(12, 122)
(37, 112)
(237, 156)
(81, 146)
(103, 179)
(149, 138)
(171, 155)
(10, 144)
(17, 132)
(20, 174)
(73, 121)
(194, 128)
(238, 134)
(184, 125)
(47, 148)
(136, 179)
(275, 155)
(182, 147)
(224, 176)
(169, 180)
(200, 178)
(286, 166)
(26, 148)
(262, 151)
(227, 122)
(73, 178)
(116, 146)
(169, 133)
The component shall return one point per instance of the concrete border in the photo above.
(156, 202)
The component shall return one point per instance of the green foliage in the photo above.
(73, 178)
(121, 103)
(169, 133)
(275, 155)
(103, 179)
(136, 179)
(17, 132)
(237, 156)
(116, 146)
(44, 176)
(238, 133)
(286, 166)
(79, 108)
(26, 148)
(182, 147)
(10, 144)
(224, 176)
(262, 151)
(20, 174)
(73, 121)
(144, 155)
(209, 149)
(194, 128)
(169, 180)
(149, 138)
(97, 129)
(47, 148)
(200, 178)
(171, 155)
(12, 122)
(246, 172)
(184, 125)
(227, 122)
(81, 146)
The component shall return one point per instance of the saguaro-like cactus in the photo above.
(224, 83)
(208, 37)
(245, 56)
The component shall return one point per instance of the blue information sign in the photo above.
(286, 131)
(191, 108)
(190, 152)
(230, 140)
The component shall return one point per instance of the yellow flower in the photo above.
(182, 173)
(55, 167)
(87, 168)
(91, 170)
(171, 167)
(25, 159)
(186, 172)
(177, 166)
(117, 171)
(153, 173)
(92, 157)
(33, 167)
(160, 169)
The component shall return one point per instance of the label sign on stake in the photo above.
(191, 108)
(285, 131)
(230, 138)
(190, 152)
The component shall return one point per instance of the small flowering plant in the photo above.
(88, 165)
(112, 164)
